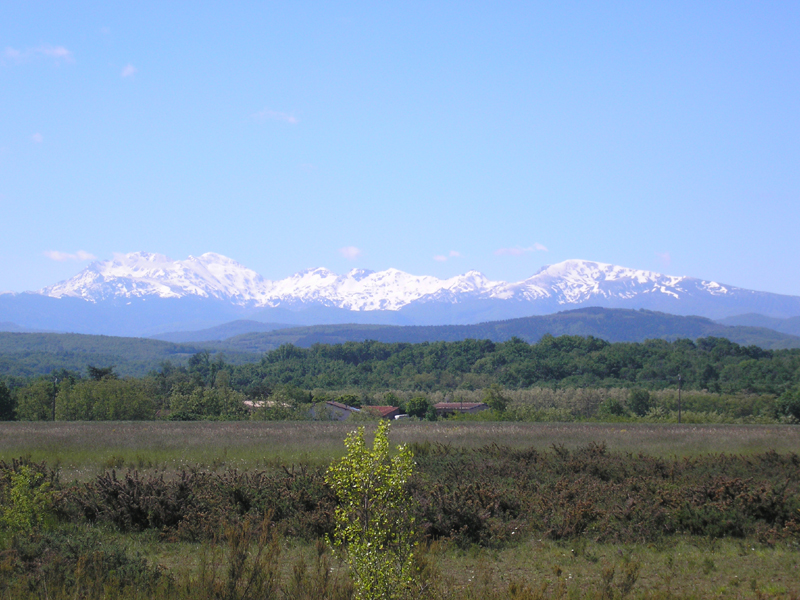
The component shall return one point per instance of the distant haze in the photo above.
(149, 294)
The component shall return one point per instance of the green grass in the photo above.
(685, 568)
(673, 566)
(83, 449)
(681, 568)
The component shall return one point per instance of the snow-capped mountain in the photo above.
(213, 276)
(578, 281)
(141, 274)
(142, 294)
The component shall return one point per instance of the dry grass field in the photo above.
(82, 449)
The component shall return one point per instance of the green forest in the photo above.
(558, 378)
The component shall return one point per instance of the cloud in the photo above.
(665, 258)
(64, 256)
(128, 71)
(58, 53)
(444, 257)
(37, 137)
(274, 115)
(519, 251)
(350, 252)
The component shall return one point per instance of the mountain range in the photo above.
(144, 294)
(610, 324)
(31, 354)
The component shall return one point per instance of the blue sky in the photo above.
(431, 137)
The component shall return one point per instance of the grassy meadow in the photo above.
(83, 449)
(506, 510)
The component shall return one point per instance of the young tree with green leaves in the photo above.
(373, 523)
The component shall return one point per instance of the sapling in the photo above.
(374, 527)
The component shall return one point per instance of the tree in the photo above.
(106, 399)
(789, 404)
(35, 401)
(612, 407)
(349, 400)
(418, 407)
(222, 402)
(639, 401)
(494, 398)
(99, 373)
(7, 403)
(372, 523)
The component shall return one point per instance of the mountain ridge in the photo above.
(612, 325)
(31, 354)
(144, 294)
(211, 275)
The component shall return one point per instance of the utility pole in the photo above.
(679, 398)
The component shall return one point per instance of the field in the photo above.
(508, 510)
(83, 449)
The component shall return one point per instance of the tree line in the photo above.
(286, 379)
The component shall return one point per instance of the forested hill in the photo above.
(714, 364)
(31, 354)
(613, 325)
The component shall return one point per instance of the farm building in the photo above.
(446, 408)
(384, 412)
(332, 411)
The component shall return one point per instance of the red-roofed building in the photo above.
(384, 412)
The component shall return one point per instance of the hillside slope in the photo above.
(613, 325)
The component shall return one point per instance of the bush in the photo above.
(26, 499)
(76, 564)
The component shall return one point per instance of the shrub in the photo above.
(26, 499)
(76, 564)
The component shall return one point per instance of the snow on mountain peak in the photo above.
(211, 275)
(141, 274)
(575, 281)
